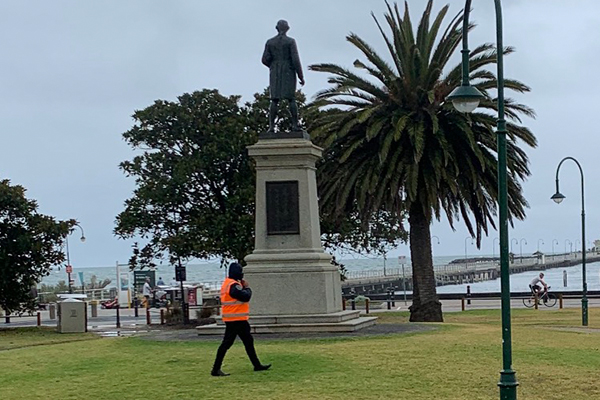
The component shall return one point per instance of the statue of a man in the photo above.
(281, 56)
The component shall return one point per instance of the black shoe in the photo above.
(262, 367)
(218, 373)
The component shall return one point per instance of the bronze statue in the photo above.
(281, 56)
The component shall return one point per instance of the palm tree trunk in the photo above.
(426, 306)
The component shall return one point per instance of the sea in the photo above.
(210, 273)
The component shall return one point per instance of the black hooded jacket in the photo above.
(238, 291)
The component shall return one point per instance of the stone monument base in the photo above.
(342, 321)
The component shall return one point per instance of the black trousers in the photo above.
(232, 330)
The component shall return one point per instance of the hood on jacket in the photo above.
(236, 271)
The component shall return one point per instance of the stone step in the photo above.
(330, 318)
(344, 326)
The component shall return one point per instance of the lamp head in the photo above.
(558, 197)
(82, 238)
(465, 98)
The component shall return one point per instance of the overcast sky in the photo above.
(73, 72)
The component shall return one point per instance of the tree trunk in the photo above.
(426, 306)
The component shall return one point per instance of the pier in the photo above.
(466, 271)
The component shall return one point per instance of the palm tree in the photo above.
(393, 143)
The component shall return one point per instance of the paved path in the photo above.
(106, 319)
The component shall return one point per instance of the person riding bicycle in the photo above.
(535, 286)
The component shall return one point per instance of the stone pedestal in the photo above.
(294, 285)
(289, 272)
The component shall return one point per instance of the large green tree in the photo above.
(30, 244)
(394, 143)
(194, 193)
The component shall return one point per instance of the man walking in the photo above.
(235, 295)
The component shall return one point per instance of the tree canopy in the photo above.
(30, 244)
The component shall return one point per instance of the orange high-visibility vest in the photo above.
(233, 309)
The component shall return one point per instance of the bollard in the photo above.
(462, 304)
(353, 302)
(367, 305)
(7, 318)
(343, 304)
(162, 316)
(389, 305)
(135, 308)
(94, 307)
(560, 301)
(565, 278)
(148, 319)
(469, 294)
(118, 316)
(52, 310)
(536, 301)
(39, 318)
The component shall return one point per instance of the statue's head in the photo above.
(282, 26)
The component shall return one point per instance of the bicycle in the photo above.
(548, 299)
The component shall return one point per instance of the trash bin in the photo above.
(72, 316)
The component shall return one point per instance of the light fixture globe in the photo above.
(82, 238)
(465, 98)
(558, 197)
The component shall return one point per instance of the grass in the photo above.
(460, 360)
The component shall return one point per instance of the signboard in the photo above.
(139, 278)
(123, 284)
(283, 211)
(80, 273)
(180, 273)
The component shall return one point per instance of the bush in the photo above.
(174, 316)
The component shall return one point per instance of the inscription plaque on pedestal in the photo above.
(283, 213)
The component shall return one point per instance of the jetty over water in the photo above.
(381, 281)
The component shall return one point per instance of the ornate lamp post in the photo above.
(566, 240)
(466, 98)
(437, 238)
(69, 267)
(521, 248)
(553, 247)
(494, 246)
(511, 245)
(558, 198)
(466, 257)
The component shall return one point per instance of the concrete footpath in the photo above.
(106, 319)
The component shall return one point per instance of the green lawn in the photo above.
(460, 360)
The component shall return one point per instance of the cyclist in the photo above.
(535, 286)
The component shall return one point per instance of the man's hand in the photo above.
(301, 81)
(244, 284)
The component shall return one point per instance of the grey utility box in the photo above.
(72, 316)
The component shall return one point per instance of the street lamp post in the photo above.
(538, 246)
(558, 198)
(466, 257)
(521, 249)
(494, 246)
(570, 244)
(466, 98)
(69, 267)
(438, 239)
(554, 240)
(511, 245)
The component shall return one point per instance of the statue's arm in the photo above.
(296, 61)
(267, 58)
